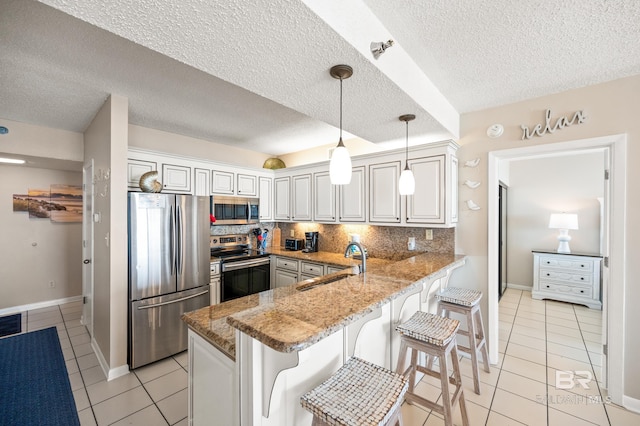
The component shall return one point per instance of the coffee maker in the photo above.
(310, 242)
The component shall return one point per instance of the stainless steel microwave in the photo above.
(227, 210)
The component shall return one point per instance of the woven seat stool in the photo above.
(467, 302)
(359, 393)
(435, 336)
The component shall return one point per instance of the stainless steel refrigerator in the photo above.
(169, 267)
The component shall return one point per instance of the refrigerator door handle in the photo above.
(172, 243)
(248, 211)
(173, 301)
(179, 242)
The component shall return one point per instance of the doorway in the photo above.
(87, 247)
(613, 271)
(502, 239)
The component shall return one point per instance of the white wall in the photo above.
(35, 251)
(539, 187)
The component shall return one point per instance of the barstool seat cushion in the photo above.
(429, 328)
(359, 393)
(459, 296)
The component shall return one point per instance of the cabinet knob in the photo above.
(582, 266)
(547, 286)
(582, 278)
(548, 275)
(581, 291)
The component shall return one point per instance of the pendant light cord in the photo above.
(406, 151)
(340, 109)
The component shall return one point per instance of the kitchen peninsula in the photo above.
(251, 358)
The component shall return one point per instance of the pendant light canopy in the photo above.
(407, 183)
(340, 164)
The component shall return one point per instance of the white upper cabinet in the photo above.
(247, 185)
(301, 202)
(201, 182)
(352, 206)
(324, 198)
(384, 195)
(136, 168)
(266, 198)
(222, 182)
(281, 192)
(176, 178)
(427, 204)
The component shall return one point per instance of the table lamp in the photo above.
(563, 222)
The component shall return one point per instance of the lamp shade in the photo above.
(340, 166)
(407, 183)
(563, 221)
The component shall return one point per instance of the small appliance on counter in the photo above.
(293, 244)
(310, 242)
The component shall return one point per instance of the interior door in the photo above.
(87, 246)
(502, 239)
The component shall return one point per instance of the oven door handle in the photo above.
(232, 266)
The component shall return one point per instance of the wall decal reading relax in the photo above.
(562, 122)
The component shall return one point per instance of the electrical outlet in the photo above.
(292, 233)
(411, 244)
(52, 284)
(428, 234)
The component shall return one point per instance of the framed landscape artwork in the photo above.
(60, 203)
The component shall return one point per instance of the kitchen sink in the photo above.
(320, 281)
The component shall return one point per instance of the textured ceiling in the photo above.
(255, 74)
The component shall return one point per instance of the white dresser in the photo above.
(571, 277)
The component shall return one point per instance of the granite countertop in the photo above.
(287, 319)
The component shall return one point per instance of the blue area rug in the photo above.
(34, 385)
(11, 324)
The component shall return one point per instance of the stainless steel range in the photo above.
(243, 270)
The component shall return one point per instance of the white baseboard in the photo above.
(109, 373)
(631, 404)
(38, 305)
(519, 287)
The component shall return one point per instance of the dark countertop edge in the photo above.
(567, 254)
(298, 346)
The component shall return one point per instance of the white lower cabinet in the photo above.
(284, 278)
(213, 386)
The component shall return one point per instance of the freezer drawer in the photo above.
(156, 330)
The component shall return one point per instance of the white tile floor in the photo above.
(536, 339)
(152, 395)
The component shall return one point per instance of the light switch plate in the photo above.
(428, 234)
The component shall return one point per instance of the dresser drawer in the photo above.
(551, 262)
(550, 274)
(286, 263)
(566, 289)
(312, 269)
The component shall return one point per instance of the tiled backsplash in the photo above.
(388, 242)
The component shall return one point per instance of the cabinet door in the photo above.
(202, 182)
(281, 199)
(176, 178)
(301, 203)
(136, 168)
(247, 185)
(452, 190)
(384, 196)
(285, 278)
(266, 198)
(221, 182)
(427, 204)
(324, 198)
(352, 198)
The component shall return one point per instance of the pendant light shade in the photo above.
(340, 164)
(407, 183)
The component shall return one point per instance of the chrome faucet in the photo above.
(363, 265)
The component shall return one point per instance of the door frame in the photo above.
(88, 233)
(614, 288)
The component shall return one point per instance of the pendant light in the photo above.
(340, 164)
(407, 183)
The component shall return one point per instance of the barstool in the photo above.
(359, 393)
(435, 336)
(467, 302)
